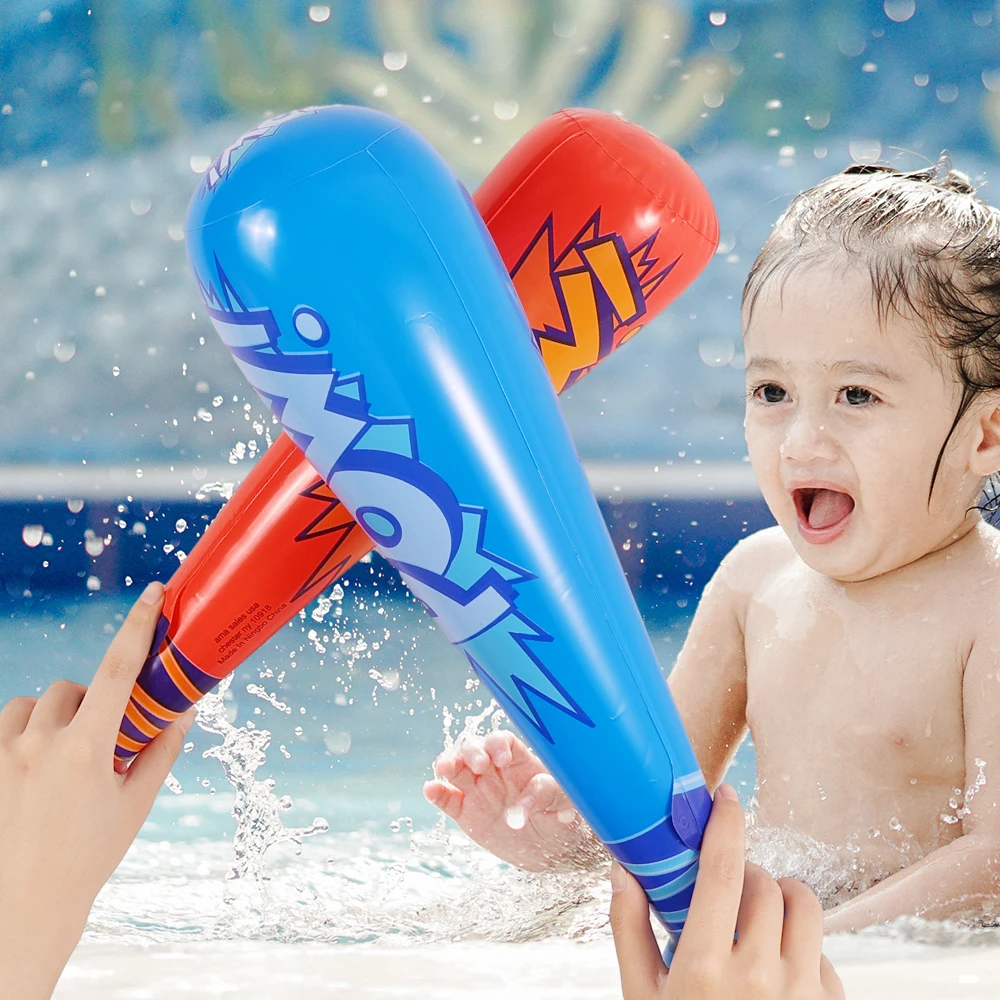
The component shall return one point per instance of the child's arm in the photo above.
(66, 817)
(956, 879)
(501, 796)
(709, 680)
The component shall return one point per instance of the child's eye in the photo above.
(769, 393)
(854, 395)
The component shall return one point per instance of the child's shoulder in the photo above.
(978, 555)
(755, 558)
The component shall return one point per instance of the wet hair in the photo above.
(931, 247)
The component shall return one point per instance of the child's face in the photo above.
(844, 421)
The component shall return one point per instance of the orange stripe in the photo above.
(140, 697)
(128, 744)
(607, 264)
(140, 721)
(177, 675)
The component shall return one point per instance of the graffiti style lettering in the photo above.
(590, 296)
(413, 515)
(223, 164)
(333, 521)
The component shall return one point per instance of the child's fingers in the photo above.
(57, 706)
(715, 902)
(638, 954)
(543, 794)
(802, 932)
(14, 716)
(447, 798)
(521, 756)
(475, 757)
(150, 768)
(451, 768)
(759, 922)
(499, 748)
(829, 980)
(446, 765)
(104, 704)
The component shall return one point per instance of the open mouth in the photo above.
(823, 513)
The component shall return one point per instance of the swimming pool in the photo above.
(357, 694)
(384, 899)
(349, 883)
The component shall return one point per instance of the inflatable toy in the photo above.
(600, 225)
(362, 297)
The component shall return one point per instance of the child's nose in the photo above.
(808, 440)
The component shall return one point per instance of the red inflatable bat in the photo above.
(600, 226)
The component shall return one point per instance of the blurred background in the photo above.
(124, 423)
(113, 383)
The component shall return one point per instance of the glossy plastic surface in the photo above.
(361, 295)
(600, 224)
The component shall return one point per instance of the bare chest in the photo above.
(873, 686)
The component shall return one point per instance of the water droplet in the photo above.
(338, 743)
(716, 351)
(899, 10)
(31, 535)
(922, 79)
(865, 150)
(204, 414)
(817, 119)
(394, 61)
(515, 818)
(505, 110)
(93, 583)
(717, 18)
(64, 352)
(319, 12)
(93, 544)
(140, 206)
(199, 164)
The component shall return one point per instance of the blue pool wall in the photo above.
(669, 540)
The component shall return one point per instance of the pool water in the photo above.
(343, 880)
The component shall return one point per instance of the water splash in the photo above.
(256, 809)
(223, 490)
(959, 809)
(833, 873)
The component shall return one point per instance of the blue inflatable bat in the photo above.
(359, 292)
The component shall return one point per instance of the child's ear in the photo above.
(985, 457)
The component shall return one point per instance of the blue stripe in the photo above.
(674, 887)
(664, 867)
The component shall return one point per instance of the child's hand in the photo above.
(66, 816)
(778, 926)
(498, 792)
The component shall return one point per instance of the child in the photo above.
(859, 640)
